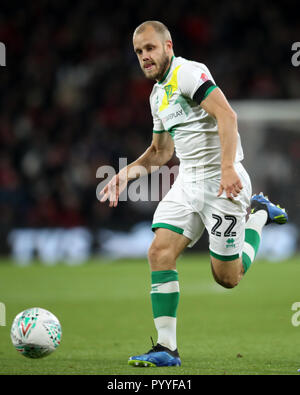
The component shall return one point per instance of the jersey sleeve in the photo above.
(158, 126)
(195, 81)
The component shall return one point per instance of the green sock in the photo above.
(165, 299)
(253, 231)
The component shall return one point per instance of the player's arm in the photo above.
(217, 105)
(160, 152)
(157, 154)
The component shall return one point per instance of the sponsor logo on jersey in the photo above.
(173, 115)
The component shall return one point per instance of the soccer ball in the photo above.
(36, 332)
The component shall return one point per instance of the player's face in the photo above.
(153, 54)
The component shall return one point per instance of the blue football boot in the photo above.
(158, 356)
(276, 214)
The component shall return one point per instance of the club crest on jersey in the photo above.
(169, 91)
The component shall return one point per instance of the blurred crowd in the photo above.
(73, 96)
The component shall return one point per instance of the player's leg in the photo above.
(229, 273)
(225, 221)
(263, 212)
(176, 226)
(165, 248)
(163, 253)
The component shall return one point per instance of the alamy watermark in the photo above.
(296, 56)
(153, 188)
(296, 316)
(2, 314)
(2, 54)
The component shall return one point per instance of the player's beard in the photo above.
(161, 67)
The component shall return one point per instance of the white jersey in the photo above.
(176, 108)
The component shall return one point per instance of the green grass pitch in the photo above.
(105, 312)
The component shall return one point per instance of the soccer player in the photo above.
(212, 190)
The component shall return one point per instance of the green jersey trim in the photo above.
(210, 89)
(171, 131)
(158, 131)
(168, 226)
(167, 72)
(224, 258)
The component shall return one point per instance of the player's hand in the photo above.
(230, 183)
(113, 189)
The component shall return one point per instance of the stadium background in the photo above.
(74, 99)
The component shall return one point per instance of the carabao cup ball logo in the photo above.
(27, 322)
(36, 333)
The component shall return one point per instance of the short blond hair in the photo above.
(159, 27)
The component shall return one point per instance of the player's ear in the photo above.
(168, 45)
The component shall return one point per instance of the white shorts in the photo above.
(189, 207)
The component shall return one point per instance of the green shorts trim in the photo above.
(224, 258)
(167, 226)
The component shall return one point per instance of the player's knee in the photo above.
(160, 257)
(227, 281)
(157, 253)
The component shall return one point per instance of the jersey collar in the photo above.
(167, 72)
